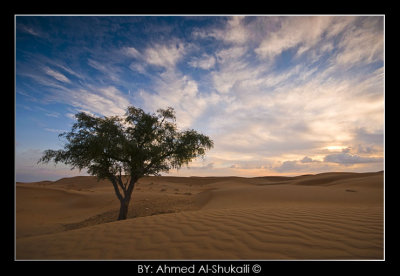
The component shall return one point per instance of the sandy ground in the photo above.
(325, 216)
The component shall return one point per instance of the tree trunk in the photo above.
(123, 211)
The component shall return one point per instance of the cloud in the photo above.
(47, 112)
(164, 55)
(334, 162)
(97, 65)
(180, 92)
(302, 32)
(99, 98)
(233, 69)
(131, 52)
(204, 62)
(137, 67)
(70, 116)
(105, 101)
(347, 158)
(29, 30)
(54, 130)
(205, 167)
(366, 149)
(57, 75)
(109, 70)
(53, 114)
(307, 159)
(233, 31)
(367, 32)
(343, 161)
(289, 166)
(365, 136)
(230, 54)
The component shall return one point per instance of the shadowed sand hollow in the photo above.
(323, 216)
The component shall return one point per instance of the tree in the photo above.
(124, 149)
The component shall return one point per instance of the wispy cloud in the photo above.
(104, 101)
(131, 52)
(180, 92)
(108, 71)
(234, 31)
(204, 62)
(54, 130)
(366, 33)
(29, 30)
(53, 114)
(301, 33)
(165, 55)
(57, 75)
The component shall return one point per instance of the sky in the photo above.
(278, 95)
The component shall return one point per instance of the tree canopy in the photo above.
(135, 145)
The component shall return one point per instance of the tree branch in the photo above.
(148, 167)
(132, 182)
(117, 192)
(162, 121)
(120, 182)
(127, 180)
(116, 158)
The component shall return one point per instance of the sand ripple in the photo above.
(303, 232)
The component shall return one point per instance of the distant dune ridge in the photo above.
(323, 216)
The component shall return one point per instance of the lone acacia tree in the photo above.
(124, 149)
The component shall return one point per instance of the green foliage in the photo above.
(137, 144)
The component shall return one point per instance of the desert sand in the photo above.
(326, 216)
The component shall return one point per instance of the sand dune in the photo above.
(324, 216)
